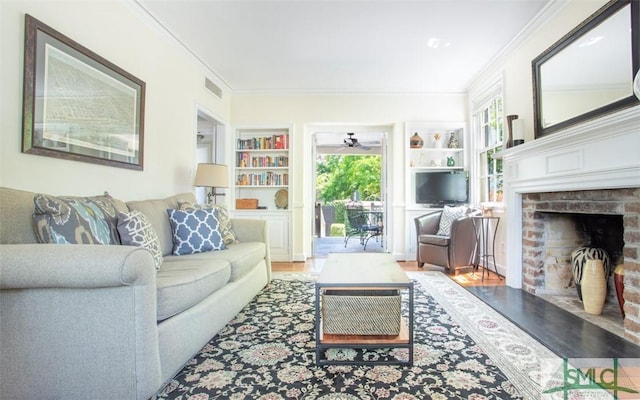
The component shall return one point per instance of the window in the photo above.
(489, 131)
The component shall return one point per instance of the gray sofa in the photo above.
(98, 321)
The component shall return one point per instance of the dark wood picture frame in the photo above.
(571, 38)
(77, 105)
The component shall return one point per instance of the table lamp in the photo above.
(213, 176)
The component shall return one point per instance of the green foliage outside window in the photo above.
(338, 177)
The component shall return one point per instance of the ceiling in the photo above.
(337, 46)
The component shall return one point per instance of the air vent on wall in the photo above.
(213, 88)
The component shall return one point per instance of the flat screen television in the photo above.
(441, 188)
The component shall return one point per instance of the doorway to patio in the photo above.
(349, 165)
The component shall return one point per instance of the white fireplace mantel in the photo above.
(599, 154)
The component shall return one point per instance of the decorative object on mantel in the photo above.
(594, 283)
(509, 139)
(580, 256)
(438, 142)
(636, 85)
(415, 141)
(518, 132)
(453, 142)
(618, 280)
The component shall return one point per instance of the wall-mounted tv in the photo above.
(441, 188)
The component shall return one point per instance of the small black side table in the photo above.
(486, 227)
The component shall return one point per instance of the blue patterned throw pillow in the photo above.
(222, 212)
(195, 231)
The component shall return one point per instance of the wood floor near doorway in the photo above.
(464, 278)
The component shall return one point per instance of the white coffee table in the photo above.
(366, 272)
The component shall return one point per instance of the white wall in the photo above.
(305, 110)
(515, 69)
(121, 33)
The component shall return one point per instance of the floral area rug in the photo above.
(462, 351)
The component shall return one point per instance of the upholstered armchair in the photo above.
(449, 243)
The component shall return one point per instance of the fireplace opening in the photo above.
(554, 224)
(565, 232)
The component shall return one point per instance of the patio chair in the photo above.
(363, 224)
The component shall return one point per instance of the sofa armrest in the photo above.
(463, 242)
(253, 230)
(428, 224)
(78, 321)
(250, 230)
(26, 266)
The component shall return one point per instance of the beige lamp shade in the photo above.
(212, 175)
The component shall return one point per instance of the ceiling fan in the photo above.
(351, 141)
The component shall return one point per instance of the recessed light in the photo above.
(436, 43)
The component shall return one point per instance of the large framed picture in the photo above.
(77, 105)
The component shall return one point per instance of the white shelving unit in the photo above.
(431, 156)
(261, 166)
(261, 173)
(436, 154)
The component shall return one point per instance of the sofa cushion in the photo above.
(156, 211)
(450, 214)
(243, 257)
(195, 231)
(75, 220)
(228, 235)
(183, 282)
(135, 229)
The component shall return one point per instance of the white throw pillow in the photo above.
(449, 214)
(136, 230)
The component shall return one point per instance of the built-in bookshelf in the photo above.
(261, 182)
(262, 166)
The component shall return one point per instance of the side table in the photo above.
(486, 227)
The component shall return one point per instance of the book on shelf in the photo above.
(267, 178)
(274, 142)
(245, 160)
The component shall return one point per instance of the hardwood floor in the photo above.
(464, 278)
(562, 332)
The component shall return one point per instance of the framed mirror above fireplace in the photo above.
(589, 72)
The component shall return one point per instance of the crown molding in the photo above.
(154, 23)
(552, 8)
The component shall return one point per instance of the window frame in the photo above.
(483, 147)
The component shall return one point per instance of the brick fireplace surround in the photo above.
(592, 168)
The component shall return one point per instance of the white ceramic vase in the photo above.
(594, 286)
